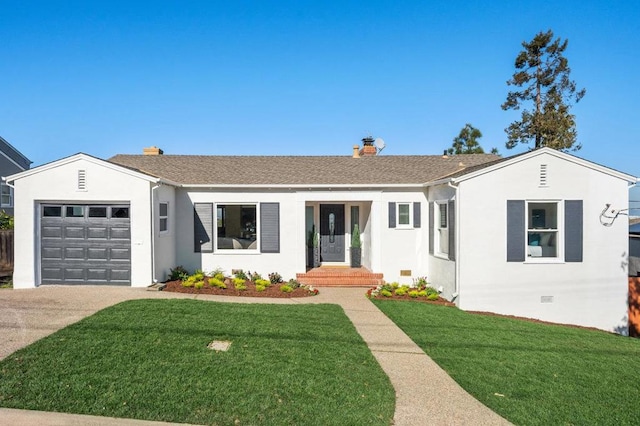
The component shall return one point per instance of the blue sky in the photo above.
(301, 77)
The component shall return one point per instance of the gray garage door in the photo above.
(85, 244)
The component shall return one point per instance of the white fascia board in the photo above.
(555, 153)
(302, 186)
(85, 157)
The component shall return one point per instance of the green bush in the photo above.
(192, 279)
(6, 220)
(188, 283)
(219, 276)
(422, 293)
(255, 277)
(178, 273)
(433, 296)
(432, 291)
(293, 283)
(240, 274)
(386, 293)
(401, 291)
(199, 284)
(286, 288)
(394, 285)
(413, 293)
(262, 282)
(215, 282)
(260, 287)
(239, 283)
(275, 278)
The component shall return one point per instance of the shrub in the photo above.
(240, 274)
(192, 279)
(6, 220)
(217, 271)
(219, 276)
(422, 293)
(356, 242)
(286, 288)
(199, 284)
(431, 291)
(255, 277)
(395, 285)
(386, 293)
(420, 282)
(413, 293)
(401, 291)
(239, 283)
(293, 284)
(262, 282)
(433, 296)
(215, 282)
(188, 283)
(260, 287)
(178, 273)
(275, 278)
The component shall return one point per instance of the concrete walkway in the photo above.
(425, 394)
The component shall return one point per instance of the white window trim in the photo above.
(406, 225)
(436, 228)
(215, 229)
(559, 258)
(160, 217)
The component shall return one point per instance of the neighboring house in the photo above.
(518, 236)
(634, 247)
(11, 162)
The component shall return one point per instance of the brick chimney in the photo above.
(152, 150)
(367, 147)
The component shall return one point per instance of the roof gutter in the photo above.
(302, 186)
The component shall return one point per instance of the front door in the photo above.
(332, 232)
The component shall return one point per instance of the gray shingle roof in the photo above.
(300, 170)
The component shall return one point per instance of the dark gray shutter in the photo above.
(431, 233)
(203, 227)
(392, 215)
(416, 215)
(270, 227)
(451, 209)
(515, 231)
(573, 230)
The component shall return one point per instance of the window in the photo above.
(52, 211)
(237, 227)
(542, 229)
(6, 195)
(120, 212)
(404, 215)
(163, 213)
(545, 230)
(442, 229)
(75, 211)
(96, 211)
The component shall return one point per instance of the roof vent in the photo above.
(152, 150)
(82, 180)
(356, 154)
(543, 175)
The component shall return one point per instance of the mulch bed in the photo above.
(438, 301)
(271, 291)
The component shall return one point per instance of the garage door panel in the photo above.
(52, 231)
(97, 253)
(120, 233)
(84, 249)
(98, 233)
(52, 253)
(72, 232)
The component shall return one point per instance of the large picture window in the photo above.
(542, 229)
(237, 226)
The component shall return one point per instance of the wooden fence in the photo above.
(6, 252)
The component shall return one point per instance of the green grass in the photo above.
(531, 374)
(148, 359)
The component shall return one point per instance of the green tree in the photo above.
(542, 79)
(466, 142)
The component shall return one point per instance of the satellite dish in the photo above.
(379, 143)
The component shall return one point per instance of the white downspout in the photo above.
(153, 235)
(456, 237)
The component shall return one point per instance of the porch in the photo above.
(340, 276)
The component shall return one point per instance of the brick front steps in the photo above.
(327, 276)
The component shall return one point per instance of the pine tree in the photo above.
(466, 142)
(542, 76)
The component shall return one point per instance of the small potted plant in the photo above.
(356, 247)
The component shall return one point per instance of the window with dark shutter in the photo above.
(515, 230)
(573, 228)
(431, 227)
(452, 230)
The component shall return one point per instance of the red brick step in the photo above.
(335, 276)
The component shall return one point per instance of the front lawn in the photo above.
(531, 374)
(148, 359)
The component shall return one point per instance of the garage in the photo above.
(85, 244)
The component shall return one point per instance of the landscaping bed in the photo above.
(420, 291)
(271, 291)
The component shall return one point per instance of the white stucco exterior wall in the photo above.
(58, 182)
(164, 249)
(442, 271)
(589, 293)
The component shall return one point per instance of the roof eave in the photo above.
(301, 186)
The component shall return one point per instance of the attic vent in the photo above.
(543, 175)
(82, 180)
